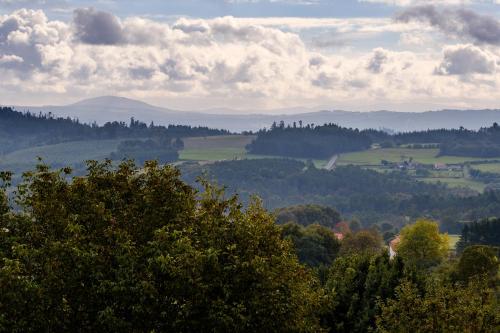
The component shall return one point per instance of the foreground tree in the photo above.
(478, 261)
(315, 245)
(354, 287)
(441, 308)
(422, 245)
(124, 249)
(362, 242)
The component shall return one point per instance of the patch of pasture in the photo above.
(423, 156)
(67, 153)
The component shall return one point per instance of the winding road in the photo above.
(331, 163)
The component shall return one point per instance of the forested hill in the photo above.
(19, 130)
(309, 141)
(326, 140)
(458, 142)
(368, 195)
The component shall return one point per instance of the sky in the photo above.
(360, 55)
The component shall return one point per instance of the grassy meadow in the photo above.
(372, 159)
(222, 148)
(216, 148)
(424, 156)
(489, 167)
(457, 183)
(231, 147)
(63, 153)
(218, 142)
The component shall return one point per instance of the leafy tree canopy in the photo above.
(478, 261)
(308, 214)
(440, 308)
(362, 242)
(315, 245)
(422, 245)
(138, 250)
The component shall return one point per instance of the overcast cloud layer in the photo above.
(421, 57)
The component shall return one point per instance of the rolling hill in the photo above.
(111, 108)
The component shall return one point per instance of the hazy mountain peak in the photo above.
(115, 102)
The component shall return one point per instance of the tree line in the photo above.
(161, 150)
(308, 141)
(357, 193)
(326, 140)
(20, 130)
(482, 232)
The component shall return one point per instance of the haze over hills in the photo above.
(111, 108)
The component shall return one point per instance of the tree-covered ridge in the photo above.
(308, 141)
(284, 179)
(19, 130)
(483, 232)
(327, 140)
(458, 142)
(370, 196)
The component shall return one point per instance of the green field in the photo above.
(490, 167)
(454, 182)
(218, 142)
(231, 147)
(223, 148)
(317, 163)
(208, 149)
(424, 156)
(63, 153)
(372, 158)
(215, 148)
(228, 154)
(212, 154)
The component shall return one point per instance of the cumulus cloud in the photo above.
(460, 23)
(97, 27)
(228, 60)
(465, 60)
(8, 60)
(26, 35)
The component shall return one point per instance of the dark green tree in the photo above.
(362, 242)
(354, 287)
(315, 245)
(478, 261)
(308, 214)
(440, 308)
(138, 250)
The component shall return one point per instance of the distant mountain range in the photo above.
(110, 108)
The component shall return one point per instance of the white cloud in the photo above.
(10, 59)
(229, 61)
(466, 60)
(461, 23)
